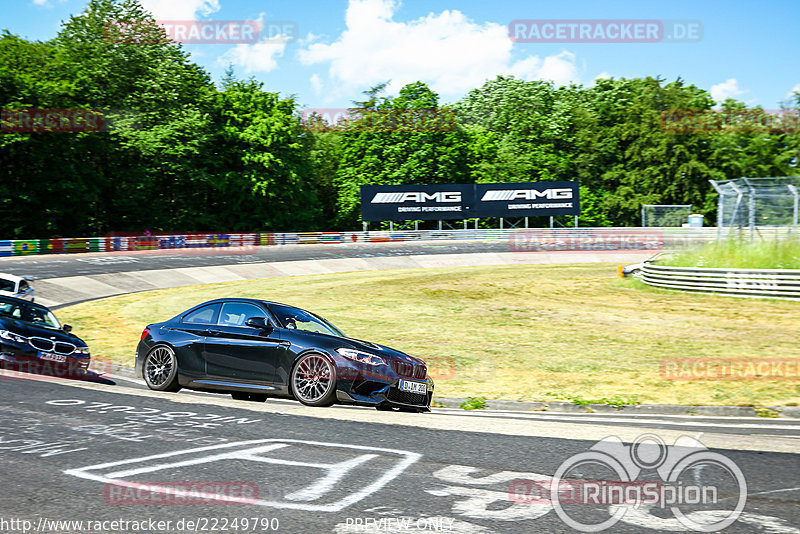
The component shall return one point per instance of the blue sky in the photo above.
(749, 51)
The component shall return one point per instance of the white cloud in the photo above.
(46, 3)
(602, 76)
(259, 57)
(793, 90)
(446, 50)
(560, 69)
(727, 89)
(316, 83)
(180, 9)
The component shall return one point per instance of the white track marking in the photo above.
(773, 491)
(253, 451)
(477, 502)
(615, 419)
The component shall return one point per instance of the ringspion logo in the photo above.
(707, 502)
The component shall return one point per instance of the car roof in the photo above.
(12, 277)
(15, 300)
(242, 299)
(235, 299)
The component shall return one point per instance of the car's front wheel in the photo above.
(314, 380)
(160, 369)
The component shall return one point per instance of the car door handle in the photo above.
(213, 333)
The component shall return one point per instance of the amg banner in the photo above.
(467, 201)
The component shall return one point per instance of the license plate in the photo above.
(420, 388)
(52, 357)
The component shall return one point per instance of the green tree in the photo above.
(263, 163)
(404, 140)
(626, 156)
(522, 131)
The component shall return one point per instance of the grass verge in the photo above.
(741, 254)
(527, 332)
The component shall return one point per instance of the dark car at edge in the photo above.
(254, 349)
(32, 339)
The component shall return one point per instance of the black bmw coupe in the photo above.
(32, 339)
(254, 349)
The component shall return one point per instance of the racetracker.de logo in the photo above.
(201, 32)
(703, 369)
(44, 369)
(379, 121)
(605, 31)
(730, 121)
(181, 493)
(546, 240)
(52, 120)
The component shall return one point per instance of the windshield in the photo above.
(297, 319)
(29, 313)
(7, 285)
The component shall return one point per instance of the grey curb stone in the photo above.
(567, 407)
(641, 409)
(123, 370)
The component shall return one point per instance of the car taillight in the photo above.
(144, 333)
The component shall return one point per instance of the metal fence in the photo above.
(756, 202)
(661, 215)
(759, 283)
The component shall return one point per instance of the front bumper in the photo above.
(372, 391)
(32, 361)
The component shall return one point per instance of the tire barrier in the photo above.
(759, 283)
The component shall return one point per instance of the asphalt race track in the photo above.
(56, 266)
(112, 456)
(67, 279)
(77, 451)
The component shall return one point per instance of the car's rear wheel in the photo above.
(160, 369)
(252, 397)
(314, 380)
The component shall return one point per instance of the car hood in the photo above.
(31, 330)
(381, 350)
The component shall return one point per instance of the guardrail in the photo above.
(759, 283)
(519, 239)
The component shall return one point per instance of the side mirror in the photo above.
(258, 322)
(66, 328)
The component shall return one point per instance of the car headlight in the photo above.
(361, 356)
(11, 336)
(84, 351)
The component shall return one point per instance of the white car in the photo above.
(15, 286)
